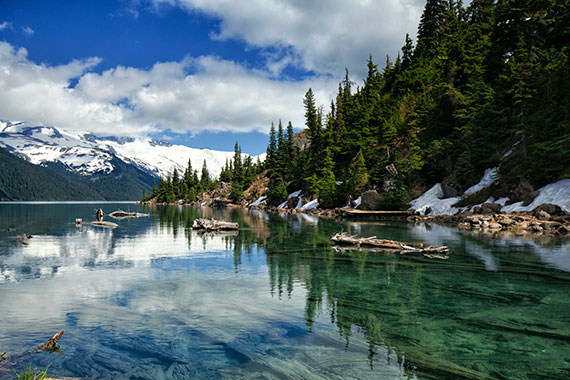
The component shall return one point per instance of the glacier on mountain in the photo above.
(87, 154)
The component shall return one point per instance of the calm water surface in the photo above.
(153, 299)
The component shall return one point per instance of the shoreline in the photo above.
(544, 220)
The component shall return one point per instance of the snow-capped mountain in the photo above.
(87, 154)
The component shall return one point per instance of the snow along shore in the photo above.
(557, 193)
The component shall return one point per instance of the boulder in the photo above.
(542, 215)
(448, 191)
(524, 191)
(495, 226)
(490, 208)
(369, 200)
(549, 209)
(506, 221)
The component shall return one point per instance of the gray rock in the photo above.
(506, 221)
(369, 200)
(490, 208)
(524, 191)
(448, 191)
(548, 209)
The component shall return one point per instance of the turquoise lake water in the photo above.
(153, 299)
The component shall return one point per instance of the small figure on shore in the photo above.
(350, 203)
(99, 215)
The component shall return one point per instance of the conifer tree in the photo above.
(237, 176)
(271, 150)
(205, 178)
(430, 27)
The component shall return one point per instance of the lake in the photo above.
(153, 299)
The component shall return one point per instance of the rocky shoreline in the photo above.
(546, 219)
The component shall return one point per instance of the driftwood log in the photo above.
(213, 225)
(104, 224)
(120, 214)
(389, 245)
(51, 344)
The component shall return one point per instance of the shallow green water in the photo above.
(154, 300)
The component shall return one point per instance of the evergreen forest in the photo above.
(483, 86)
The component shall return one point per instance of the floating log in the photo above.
(213, 225)
(120, 214)
(104, 224)
(390, 245)
(51, 344)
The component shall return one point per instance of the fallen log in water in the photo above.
(104, 224)
(51, 344)
(389, 245)
(120, 214)
(213, 225)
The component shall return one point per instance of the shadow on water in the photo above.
(159, 300)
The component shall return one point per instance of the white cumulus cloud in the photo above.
(324, 36)
(192, 95)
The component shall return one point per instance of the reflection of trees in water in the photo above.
(436, 319)
(253, 229)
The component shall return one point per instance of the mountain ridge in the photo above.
(86, 153)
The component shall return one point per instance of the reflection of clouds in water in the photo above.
(555, 256)
(437, 235)
(183, 318)
(308, 219)
(88, 247)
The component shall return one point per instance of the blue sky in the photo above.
(204, 73)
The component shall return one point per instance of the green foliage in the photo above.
(236, 193)
(276, 191)
(28, 374)
(481, 81)
(393, 200)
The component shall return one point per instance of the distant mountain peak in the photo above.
(88, 154)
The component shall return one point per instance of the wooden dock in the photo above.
(354, 213)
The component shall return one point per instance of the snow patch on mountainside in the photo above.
(489, 177)
(432, 199)
(557, 193)
(88, 154)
